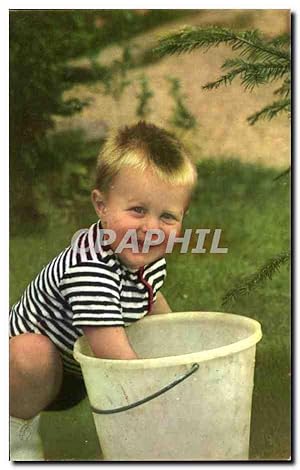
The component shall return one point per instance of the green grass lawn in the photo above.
(253, 212)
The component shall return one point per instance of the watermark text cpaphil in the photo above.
(154, 237)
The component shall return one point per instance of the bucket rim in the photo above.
(182, 359)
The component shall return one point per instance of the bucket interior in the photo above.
(196, 333)
(184, 333)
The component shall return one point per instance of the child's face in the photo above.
(141, 201)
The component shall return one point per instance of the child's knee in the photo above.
(33, 354)
(35, 374)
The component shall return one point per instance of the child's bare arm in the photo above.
(109, 342)
(112, 342)
(161, 305)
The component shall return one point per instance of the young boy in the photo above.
(143, 183)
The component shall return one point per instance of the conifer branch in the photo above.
(270, 70)
(249, 43)
(256, 279)
(285, 89)
(251, 74)
(283, 40)
(270, 111)
(260, 61)
(283, 173)
(226, 80)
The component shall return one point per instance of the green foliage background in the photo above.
(43, 46)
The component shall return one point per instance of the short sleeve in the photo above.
(156, 276)
(92, 291)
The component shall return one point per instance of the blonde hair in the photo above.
(143, 146)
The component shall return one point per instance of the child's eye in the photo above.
(138, 210)
(169, 217)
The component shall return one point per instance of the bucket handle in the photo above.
(193, 369)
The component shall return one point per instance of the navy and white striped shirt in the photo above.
(85, 285)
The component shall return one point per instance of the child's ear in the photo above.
(98, 200)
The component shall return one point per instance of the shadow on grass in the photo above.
(70, 434)
(271, 411)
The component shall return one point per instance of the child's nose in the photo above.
(150, 223)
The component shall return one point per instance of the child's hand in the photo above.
(109, 342)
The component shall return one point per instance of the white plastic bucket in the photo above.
(197, 368)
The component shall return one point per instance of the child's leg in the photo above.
(35, 374)
(35, 380)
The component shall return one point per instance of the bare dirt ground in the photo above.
(223, 131)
